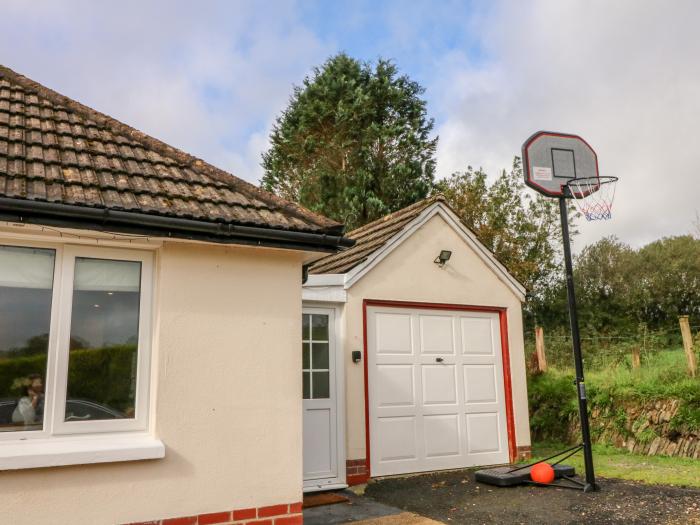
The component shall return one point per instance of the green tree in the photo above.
(619, 288)
(604, 289)
(667, 276)
(354, 143)
(522, 230)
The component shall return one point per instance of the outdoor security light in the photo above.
(442, 259)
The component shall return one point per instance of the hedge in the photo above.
(104, 375)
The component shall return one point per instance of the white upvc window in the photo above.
(75, 350)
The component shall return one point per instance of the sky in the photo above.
(210, 77)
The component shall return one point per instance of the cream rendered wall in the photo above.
(227, 405)
(409, 274)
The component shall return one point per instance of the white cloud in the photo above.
(207, 77)
(210, 77)
(625, 75)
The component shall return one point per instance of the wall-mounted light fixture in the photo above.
(442, 259)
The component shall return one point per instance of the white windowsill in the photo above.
(78, 450)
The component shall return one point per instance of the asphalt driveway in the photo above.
(454, 497)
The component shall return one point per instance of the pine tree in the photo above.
(354, 143)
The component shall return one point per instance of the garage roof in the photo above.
(57, 151)
(376, 239)
(372, 237)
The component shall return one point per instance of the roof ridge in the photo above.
(183, 158)
(421, 204)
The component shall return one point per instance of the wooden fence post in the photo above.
(539, 349)
(636, 359)
(688, 345)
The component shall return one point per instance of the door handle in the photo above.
(439, 359)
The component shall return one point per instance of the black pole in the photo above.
(576, 342)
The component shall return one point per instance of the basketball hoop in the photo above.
(593, 196)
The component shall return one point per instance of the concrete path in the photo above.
(405, 518)
(360, 510)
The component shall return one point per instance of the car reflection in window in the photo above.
(76, 410)
(81, 410)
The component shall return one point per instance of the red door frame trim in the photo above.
(505, 355)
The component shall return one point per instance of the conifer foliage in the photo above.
(354, 143)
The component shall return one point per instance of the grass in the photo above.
(610, 462)
(662, 376)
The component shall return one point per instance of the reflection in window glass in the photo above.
(319, 356)
(315, 356)
(26, 283)
(320, 382)
(307, 385)
(319, 327)
(103, 340)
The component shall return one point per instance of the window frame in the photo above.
(56, 380)
(310, 341)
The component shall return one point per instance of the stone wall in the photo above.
(642, 428)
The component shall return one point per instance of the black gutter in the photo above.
(102, 219)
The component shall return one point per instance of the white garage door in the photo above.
(436, 394)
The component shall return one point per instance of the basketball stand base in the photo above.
(507, 477)
(510, 476)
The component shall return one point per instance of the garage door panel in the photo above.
(435, 390)
(439, 384)
(397, 438)
(395, 385)
(436, 334)
(393, 333)
(477, 336)
(480, 383)
(483, 432)
(442, 436)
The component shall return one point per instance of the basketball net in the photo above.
(593, 196)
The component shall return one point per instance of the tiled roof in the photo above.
(371, 237)
(56, 150)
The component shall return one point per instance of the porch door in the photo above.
(320, 399)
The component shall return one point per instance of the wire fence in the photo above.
(604, 351)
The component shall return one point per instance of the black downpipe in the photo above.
(72, 216)
(576, 342)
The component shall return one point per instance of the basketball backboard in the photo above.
(551, 160)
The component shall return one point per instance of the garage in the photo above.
(437, 398)
(428, 353)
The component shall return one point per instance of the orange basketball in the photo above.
(542, 473)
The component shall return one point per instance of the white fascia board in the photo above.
(465, 233)
(325, 294)
(325, 279)
(325, 287)
(78, 450)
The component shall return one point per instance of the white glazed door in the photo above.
(436, 390)
(319, 393)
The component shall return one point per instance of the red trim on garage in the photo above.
(364, 343)
(505, 354)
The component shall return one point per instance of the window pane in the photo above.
(305, 363)
(321, 389)
(103, 340)
(305, 327)
(26, 282)
(319, 328)
(319, 356)
(307, 388)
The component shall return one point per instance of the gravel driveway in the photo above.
(454, 497)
